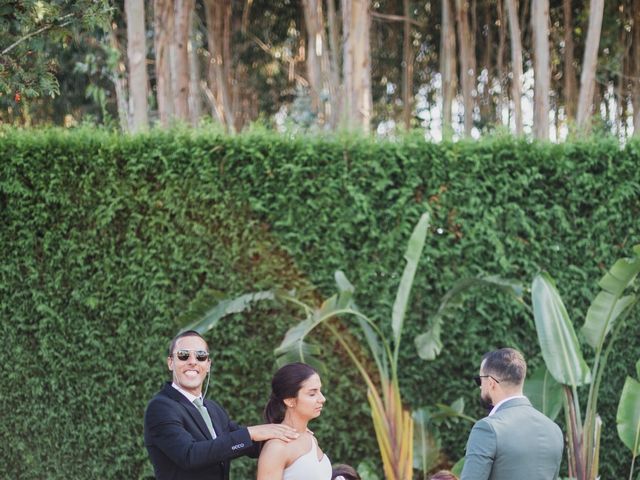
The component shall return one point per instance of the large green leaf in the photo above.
(609, 303)
(426, 442)
(429, 343)
(602, 315)
(293, 345)
(346, 290)
(209, 317)
(457, 468)
(294, 339)
(450, 414)
(556, 336)
(304, 352)
(545, 393)
(622, 274)
(412, 256)
(628, 416)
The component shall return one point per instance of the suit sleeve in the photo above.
(167, 432)
(481, 452)
(254, 449)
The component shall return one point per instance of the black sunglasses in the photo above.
(183, 355)
(478, 379)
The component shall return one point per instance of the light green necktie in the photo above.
(205, 415)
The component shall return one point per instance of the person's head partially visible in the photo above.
(443, 475)
(502, 374)
(189, 361)
(295, 391)
(344, 472)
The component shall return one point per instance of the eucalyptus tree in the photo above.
(356, 64)
(569, 71)
(447, 65)
(137, 56)
(516, 63)
(466, 48)
(589, 64)
(541, 68)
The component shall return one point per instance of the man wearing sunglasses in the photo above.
(515, 441)
(188, 436)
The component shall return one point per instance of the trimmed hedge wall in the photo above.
(105, 240)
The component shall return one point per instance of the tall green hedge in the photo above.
(105, 240)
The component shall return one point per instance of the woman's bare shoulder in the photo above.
(273, 447)
(285, 451)
(272, 460)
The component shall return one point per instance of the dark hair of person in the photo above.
(188, 333)
(506, 365)
(443, 475)
(347, 472)
(286, 383)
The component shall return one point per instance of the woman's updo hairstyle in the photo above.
(286, 383)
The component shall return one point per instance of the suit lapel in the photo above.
(189, 407)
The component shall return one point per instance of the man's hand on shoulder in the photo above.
(259, 433)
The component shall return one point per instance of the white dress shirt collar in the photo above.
(497, 405)
(189, 396)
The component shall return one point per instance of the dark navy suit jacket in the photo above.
(180, 445)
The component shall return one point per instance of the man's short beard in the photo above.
(486, 402)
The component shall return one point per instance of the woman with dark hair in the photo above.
(296, 398)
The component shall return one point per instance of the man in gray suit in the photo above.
(515, 441)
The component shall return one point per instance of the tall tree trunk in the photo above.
(541, 68)
(183, 11)
(485, 97)
(448, 67)
(516, 63)
(162, 39)
(622, 82)
(336, 88)
(570, 87)
(218, 13)
(502, 40)
(119, 82)
(635, 49)
(407, 67)
(317, 58)
(467, 63)
(195, 103)
(137, 56)
(589, 64)
(358, 106)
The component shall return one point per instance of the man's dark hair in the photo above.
(443, 475)
(345, 471)
(506, 365)
(188, 333)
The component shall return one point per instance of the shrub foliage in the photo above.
(106, 239)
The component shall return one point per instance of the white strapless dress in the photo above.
(308, 467)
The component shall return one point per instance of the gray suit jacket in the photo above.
(516, 442)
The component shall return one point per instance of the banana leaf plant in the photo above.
(563, 356)
(628, 417)
(565, 368)
(392, 420)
